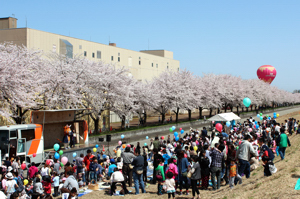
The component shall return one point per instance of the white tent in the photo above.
(224, 117)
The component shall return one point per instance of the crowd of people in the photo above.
(196, 160)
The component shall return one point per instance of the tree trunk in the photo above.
(177, 113)
(225, 108)
(251, 107)
(200, 113)
(163, 117)
(190, 114)
(96, 125)
(231, 108)
(247, 109)
(145, 118)
(210, 112)
(237, 109)
(123, 122)
(242, 109)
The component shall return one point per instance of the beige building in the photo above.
(143, 65)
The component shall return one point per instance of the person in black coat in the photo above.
(204, 164)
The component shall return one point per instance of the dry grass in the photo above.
(279, 185)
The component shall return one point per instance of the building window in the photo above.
(152, 64)
(80, 46)
(112, 58)
(156, 65)
(167, 67)
(84, 53)
(118, 59)
(178, 69)
(93, 55)
(118, 54)
(98, 54)
(140, 61)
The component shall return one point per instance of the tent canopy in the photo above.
(224, 117)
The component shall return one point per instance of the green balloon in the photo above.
(267, 115)
(61, 164)
(260, 114)
(171, 129)
(61, 152)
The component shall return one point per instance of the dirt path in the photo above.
(279, 185)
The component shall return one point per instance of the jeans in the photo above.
(93, 176)
(281, 151)
(231, 181)
(138, 180)
(216, 172)
(244, 168)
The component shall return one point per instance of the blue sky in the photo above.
(217, 36)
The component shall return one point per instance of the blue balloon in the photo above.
(247, 102)
(269, 118)
(56, 155)
(228, 124)
(103, 156)
(147, 137)
(261, 117)
(258, 115)
(145, 144)
(255, 122)
(74, 155)
(97, 146)
(173, 127)
(122, 136)
(175, 134)
(257, 126)
(56, 147)
(182, 131)
(176, 138)
(275, 116)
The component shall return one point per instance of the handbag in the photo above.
(189, 174)
(130, 166)
(184, 174)
(158, 175)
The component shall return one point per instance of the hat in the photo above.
(112, 160)
(9, 176)
(9, 169)
(63, 179)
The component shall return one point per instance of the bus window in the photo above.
(28, 134)
(13, 134)
(4, 141)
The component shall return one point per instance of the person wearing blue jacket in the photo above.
(166, 158)
(183, 166)
(111, 167)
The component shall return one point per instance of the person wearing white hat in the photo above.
(11, 184)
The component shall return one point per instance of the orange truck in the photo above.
(29, 141)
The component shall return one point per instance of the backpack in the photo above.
(20, 185)
(272, 168)
(158, 175)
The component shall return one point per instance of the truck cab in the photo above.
(23, 141)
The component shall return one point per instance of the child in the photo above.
(47, 186)
(56, 184)
(233, 173)
(38, 187)
(170, 185)
(160, 176)
(29, 188)
(269, 167)
(93, 170)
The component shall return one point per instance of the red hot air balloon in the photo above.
(267, 73)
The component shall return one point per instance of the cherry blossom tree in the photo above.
(20, 81)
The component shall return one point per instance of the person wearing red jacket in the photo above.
(87, 161)
(47, 186)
